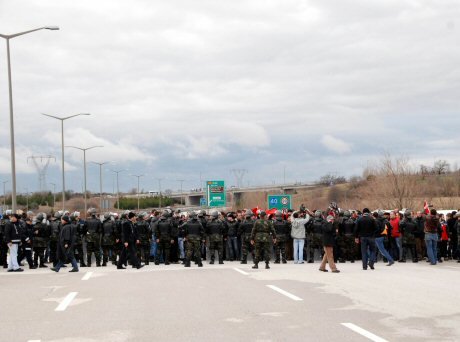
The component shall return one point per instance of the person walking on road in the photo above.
(366, 228)
(13, 238)
(328, 243)
(66, 244)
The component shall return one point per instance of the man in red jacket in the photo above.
(396, 245)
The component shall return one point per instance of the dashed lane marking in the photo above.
(87, 276)
(67, 300)
(240, 271)
(364, 332)
(287, 294)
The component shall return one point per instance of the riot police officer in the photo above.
(261, 233)
(194, 236)
(163, 233)
(93, 237)
(245, 231)
(317, 227)
(282, 229)
(108, 238)
(347, 238)
(215, 230)
(144, 234)
(42, 233)
(408, 228)
(54, 238)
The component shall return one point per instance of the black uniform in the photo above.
(163, 231)
(93, 240)
(108, 241)
(42, 233)
(282, 229)
(144, 234)
(408, 228)
(129, 237)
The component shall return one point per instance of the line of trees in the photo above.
(147, 202)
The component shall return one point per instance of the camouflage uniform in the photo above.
(245, 233)
(163, 233)
(215, 230)
(108, 240)
(260, 235)
(347, 239)
(144, 233)
(282, 229)
(408, 228)
(194, 235)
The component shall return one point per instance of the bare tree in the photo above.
(441, 167)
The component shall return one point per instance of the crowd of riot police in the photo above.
(174, 236)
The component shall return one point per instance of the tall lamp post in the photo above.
(7, 37)
(138, 177)
(84, 170)
(62, 149)
(118, 188)
(100, 180)
(4, 194)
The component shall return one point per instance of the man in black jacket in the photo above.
(13, 238)
(130, 239)
(66, 244)
(366, 228)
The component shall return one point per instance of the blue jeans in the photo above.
(153, 246)
(381, 248)
(180, 242)
(298, 250)
(367, 243)
(232, 243)
(72, 261)
(431, 241)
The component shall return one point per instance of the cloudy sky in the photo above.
(181, 88)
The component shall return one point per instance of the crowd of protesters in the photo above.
(304, 236)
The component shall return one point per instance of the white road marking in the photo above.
(364, 332)
(287, 294)
(240, 271)
(67, 300)
(87, 275)
(34, 341)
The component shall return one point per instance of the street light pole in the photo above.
(27, 199)
(84, 170)
(138, 177)
(7, 37)
(54, 194)
(4, 194)
(118, 188)
(62, 149)
(100, 181)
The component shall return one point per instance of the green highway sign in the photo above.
(215, 193)
(279, 202)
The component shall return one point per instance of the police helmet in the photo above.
(407, 214)
(92, 211)
(278, 213)
(202, 213)
(318, 213)
(347, 213)
(40, 217)
(58, 214)
(142, 215)
(381, 213)
(107, 216)
(248, 213)
(192, 215)
(262, 213)
(215, 214)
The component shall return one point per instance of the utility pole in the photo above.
(159, 189)
(181, 197)
(239, 175)
(100, 180)
(27, 199)
(54, 194)
(4, 194)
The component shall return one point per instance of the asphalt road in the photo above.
(232, 302)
